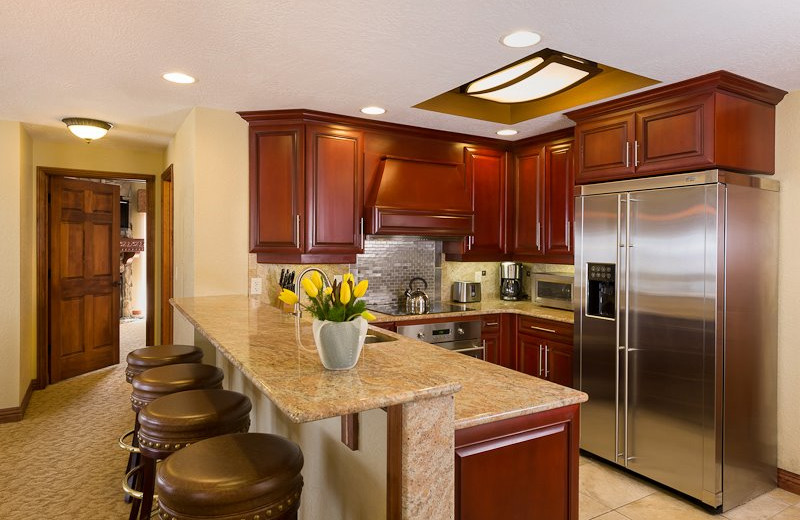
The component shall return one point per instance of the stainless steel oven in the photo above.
(463, 337)
(553, 290)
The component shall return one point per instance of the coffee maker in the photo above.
(511, 281)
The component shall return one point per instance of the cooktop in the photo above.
(436, 308)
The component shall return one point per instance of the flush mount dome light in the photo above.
(535, 77)
(87, 129)
(520, 39)
(178, 77)
(373, 111)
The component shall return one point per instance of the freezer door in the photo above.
(672, 293)
(596, 368)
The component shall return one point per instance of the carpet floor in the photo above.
(62, 459)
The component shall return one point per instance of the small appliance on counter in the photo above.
(417, 301)
(466, 292)
(511, 281)
(553, 290)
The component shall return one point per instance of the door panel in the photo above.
(596, 366)
(559, 363)
(84, 279)
(489, 200)
(529, 202)
(604, 149)
(671, 331)
(560, 184)
(531, 352)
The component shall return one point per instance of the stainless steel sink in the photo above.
(377, 337)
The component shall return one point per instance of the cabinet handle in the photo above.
(627, 154)
(551, 331)
(568, 230)
(483, 343)
(363, 237)
(546, 364)
(540, 360)
(297, 231)
(538, 235)
(492, 323)
(636, 153)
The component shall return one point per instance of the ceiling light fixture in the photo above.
(507, 131)
(373, 111)
(540, 75)
(87, 129)
(178, 77)
(520, 39)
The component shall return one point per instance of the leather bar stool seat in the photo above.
(145, 358)
(232, 477)
(160, 381)
(179, 420)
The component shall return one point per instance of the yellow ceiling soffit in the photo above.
(610, 82)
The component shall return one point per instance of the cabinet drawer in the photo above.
(490, 325)
(545, 328)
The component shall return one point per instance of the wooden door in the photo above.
(488, 170)
(529, 202)
(334, 180)
(530, 358)
(560, 203)
(675, 136)
(605, 149)
(84, 277)
(277, 190)
(559, 363)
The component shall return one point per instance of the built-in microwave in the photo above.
(553, 290)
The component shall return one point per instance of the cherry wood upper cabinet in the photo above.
(719, 120)
(334, 200)
(277, 190)
(487, 168)
(529, 202)
(560, 205)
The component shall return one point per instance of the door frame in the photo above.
(43, 176)
(167, 252)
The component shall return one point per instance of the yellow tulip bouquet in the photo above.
(337, 303)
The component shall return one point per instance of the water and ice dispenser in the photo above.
(601, 287)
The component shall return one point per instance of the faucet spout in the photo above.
(325, 281)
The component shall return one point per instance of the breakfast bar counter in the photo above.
(428, 393)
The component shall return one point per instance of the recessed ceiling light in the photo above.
(520, 39)
(178, 77)
(507, 131)
(373, 111)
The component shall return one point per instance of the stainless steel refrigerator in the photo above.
(676, 330)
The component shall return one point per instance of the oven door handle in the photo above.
(472, 349)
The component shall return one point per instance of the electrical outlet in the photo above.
(255, 285)
(483, 273)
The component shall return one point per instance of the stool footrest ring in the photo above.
(127, 446)
(126, 487)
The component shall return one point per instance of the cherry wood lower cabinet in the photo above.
(520, 468)
(544, 349)
(498, 336)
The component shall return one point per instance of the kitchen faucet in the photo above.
(298, 311)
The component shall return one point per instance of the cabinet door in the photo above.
(334, 176)
(488, 171)
(560, 206)
(529, 202)
(559, 363)
(530, 358)
(605, 149)
(675, 136)
(276, 189)
(491, 344)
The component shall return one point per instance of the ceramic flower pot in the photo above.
(339, 344)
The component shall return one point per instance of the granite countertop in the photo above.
(490, 306)
(262, 342)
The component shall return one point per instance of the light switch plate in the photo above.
(255, 285)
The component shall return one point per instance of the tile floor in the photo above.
(610, 494)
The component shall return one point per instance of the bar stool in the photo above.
(178, 420)
(253, 476)
(160, 381)
(143, 359)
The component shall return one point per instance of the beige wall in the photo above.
(209, 154)
(787, 171)
(10, 167)
(27, 257)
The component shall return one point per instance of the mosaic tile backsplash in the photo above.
(389, 263)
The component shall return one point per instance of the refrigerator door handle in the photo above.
(627, 316)
(618, 449)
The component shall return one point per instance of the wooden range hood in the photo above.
(420, 198)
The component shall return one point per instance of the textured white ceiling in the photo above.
(104, 59)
